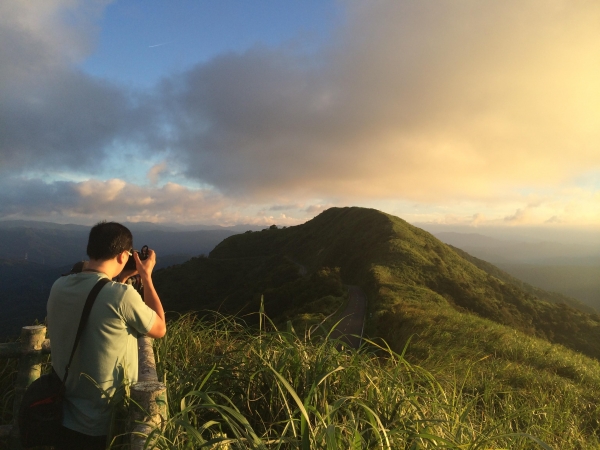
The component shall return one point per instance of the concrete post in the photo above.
(149, 410)
(32, 338)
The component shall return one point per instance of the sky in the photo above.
(460, 113)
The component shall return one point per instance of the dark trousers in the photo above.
(73, 440)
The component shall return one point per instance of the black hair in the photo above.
(107, 240)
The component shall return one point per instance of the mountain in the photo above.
(24, 289)
(549, 296)
(133, 226)
(577, 281)
(571, 269)
(7, 224)
(60, 246)
(34, 254)
(399, 266)
(517, 251)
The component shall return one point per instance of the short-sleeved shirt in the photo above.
(106, 357)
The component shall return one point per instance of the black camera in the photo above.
(143, 254)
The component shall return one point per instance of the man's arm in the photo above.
(159, 327)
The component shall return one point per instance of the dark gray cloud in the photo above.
(66, 120)
(35, 198)
(51, 114)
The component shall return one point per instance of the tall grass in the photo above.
(235, 387)
(8, 375)
(244, 388)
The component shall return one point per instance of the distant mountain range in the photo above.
(515, 251)
(66, 244)
(34, 254)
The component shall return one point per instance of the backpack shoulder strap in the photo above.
(85, 314)
(78, 267)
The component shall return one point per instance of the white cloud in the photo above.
(92, 200)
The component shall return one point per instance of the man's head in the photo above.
(107, 240)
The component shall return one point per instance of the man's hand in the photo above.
(126, 274)
(145, 267)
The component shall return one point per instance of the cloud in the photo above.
(418, 100)
(52, 115)
(111, 199)
(477, 219)
(554, 219)
(284, 207)
(520, 216)
(317, 209)
(434, 102)
(156, 171)
(93, 200)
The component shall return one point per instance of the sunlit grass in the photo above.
(248, 388)
(242, 387)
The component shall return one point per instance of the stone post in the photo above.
(148, 410)
(149, 407)
(32, 338)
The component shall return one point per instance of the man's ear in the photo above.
(121, 258)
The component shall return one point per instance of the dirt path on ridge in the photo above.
(353, 318)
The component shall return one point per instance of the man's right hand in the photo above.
(146, 266)
(159, 327)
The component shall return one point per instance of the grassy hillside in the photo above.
(380, 253)
(495, 350)
(549, 296)
(237, 286)
(578, 281)
(459, 356)
(263, 389)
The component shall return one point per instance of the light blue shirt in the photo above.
(106, 358)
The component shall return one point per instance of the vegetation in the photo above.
(237, 285)
(263, 388)
(375, 251)
(552, 297)
(257, 387)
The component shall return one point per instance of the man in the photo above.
(106, 357)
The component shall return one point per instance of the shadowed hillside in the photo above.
(393, 261)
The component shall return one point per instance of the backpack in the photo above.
(41, 410)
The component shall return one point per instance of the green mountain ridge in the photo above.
(549, 296)
(394, 262)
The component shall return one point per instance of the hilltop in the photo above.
(394, 262)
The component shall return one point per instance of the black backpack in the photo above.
(41, 409)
